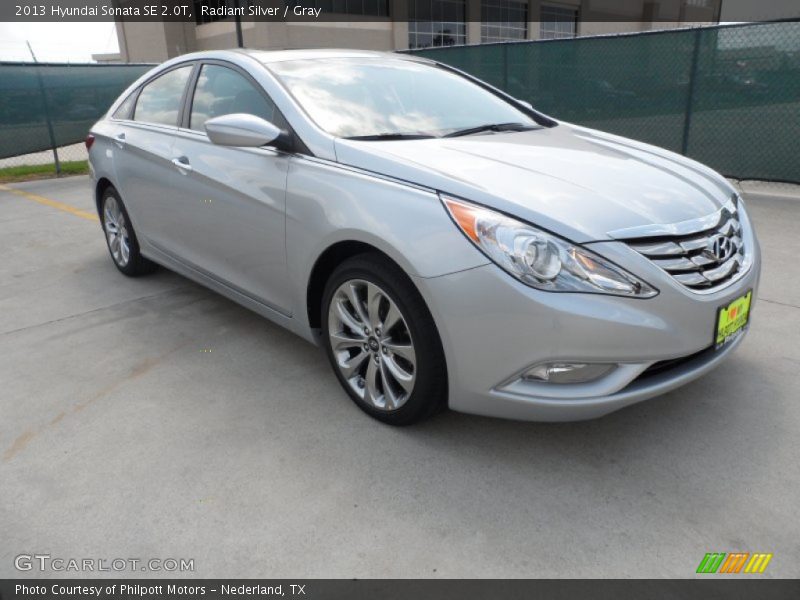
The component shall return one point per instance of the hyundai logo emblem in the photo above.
(720, 248)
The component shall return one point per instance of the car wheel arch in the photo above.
(102, 185)
(326, 263)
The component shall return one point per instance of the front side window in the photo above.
(434, 23)
(354, 97)
(223, 91)
(160, 100)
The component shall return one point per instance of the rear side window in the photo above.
(160, 100)
(223, 91)
(125, 109)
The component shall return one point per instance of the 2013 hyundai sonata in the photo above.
(446, 243)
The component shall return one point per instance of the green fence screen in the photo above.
(73, 97)
(727, 96)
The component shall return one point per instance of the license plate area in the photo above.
(732, 320)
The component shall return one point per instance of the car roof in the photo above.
(267, 57)
(241, 56)
(270, 56)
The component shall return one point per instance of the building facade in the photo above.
(409, 24)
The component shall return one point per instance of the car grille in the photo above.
(703, 260)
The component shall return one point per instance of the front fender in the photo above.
(328, 203)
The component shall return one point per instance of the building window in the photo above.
(558, 22)
(503, 20)
(436, 23)
(371, 8)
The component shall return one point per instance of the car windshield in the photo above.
(392, 98)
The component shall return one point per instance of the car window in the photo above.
(126, 108)
(351, 97)
(160, 100)
(223, 91)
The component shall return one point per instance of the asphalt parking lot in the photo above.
(151, 418)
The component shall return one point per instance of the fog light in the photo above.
(568, 372)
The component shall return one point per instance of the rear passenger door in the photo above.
(232, 200)
(144, 132)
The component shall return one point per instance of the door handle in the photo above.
(120, 140)
(182, 164)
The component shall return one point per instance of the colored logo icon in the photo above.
(734, 562)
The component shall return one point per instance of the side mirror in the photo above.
(243, 130)
(526, 104)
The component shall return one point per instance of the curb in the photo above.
(773, 189)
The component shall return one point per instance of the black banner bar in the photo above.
(711, 588)
(206, 11)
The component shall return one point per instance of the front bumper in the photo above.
(493, 328)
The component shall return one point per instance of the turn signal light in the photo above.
(466, 216)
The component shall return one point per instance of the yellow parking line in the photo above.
(51, 203)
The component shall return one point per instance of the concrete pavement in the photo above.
(151, 418)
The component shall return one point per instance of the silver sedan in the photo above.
(447, 244)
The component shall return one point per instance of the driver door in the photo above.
(232, 200)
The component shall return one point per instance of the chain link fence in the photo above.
(728, 96)
(46, 110)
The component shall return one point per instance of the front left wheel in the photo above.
(120, 236)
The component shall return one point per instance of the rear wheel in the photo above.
(120, 237)
(382, 342)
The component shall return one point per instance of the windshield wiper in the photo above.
(385, 137)
(491, 127)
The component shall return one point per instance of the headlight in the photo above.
(540, 259)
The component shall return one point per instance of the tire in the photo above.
(120, 236)
(382, 342)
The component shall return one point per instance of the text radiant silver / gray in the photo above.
(447, 244)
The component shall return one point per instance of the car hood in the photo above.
(573, 181)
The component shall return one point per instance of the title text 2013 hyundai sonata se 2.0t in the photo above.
(446, 243)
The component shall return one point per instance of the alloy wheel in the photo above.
(116, 228)
(372, 344)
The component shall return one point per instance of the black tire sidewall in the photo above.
(430, 388)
